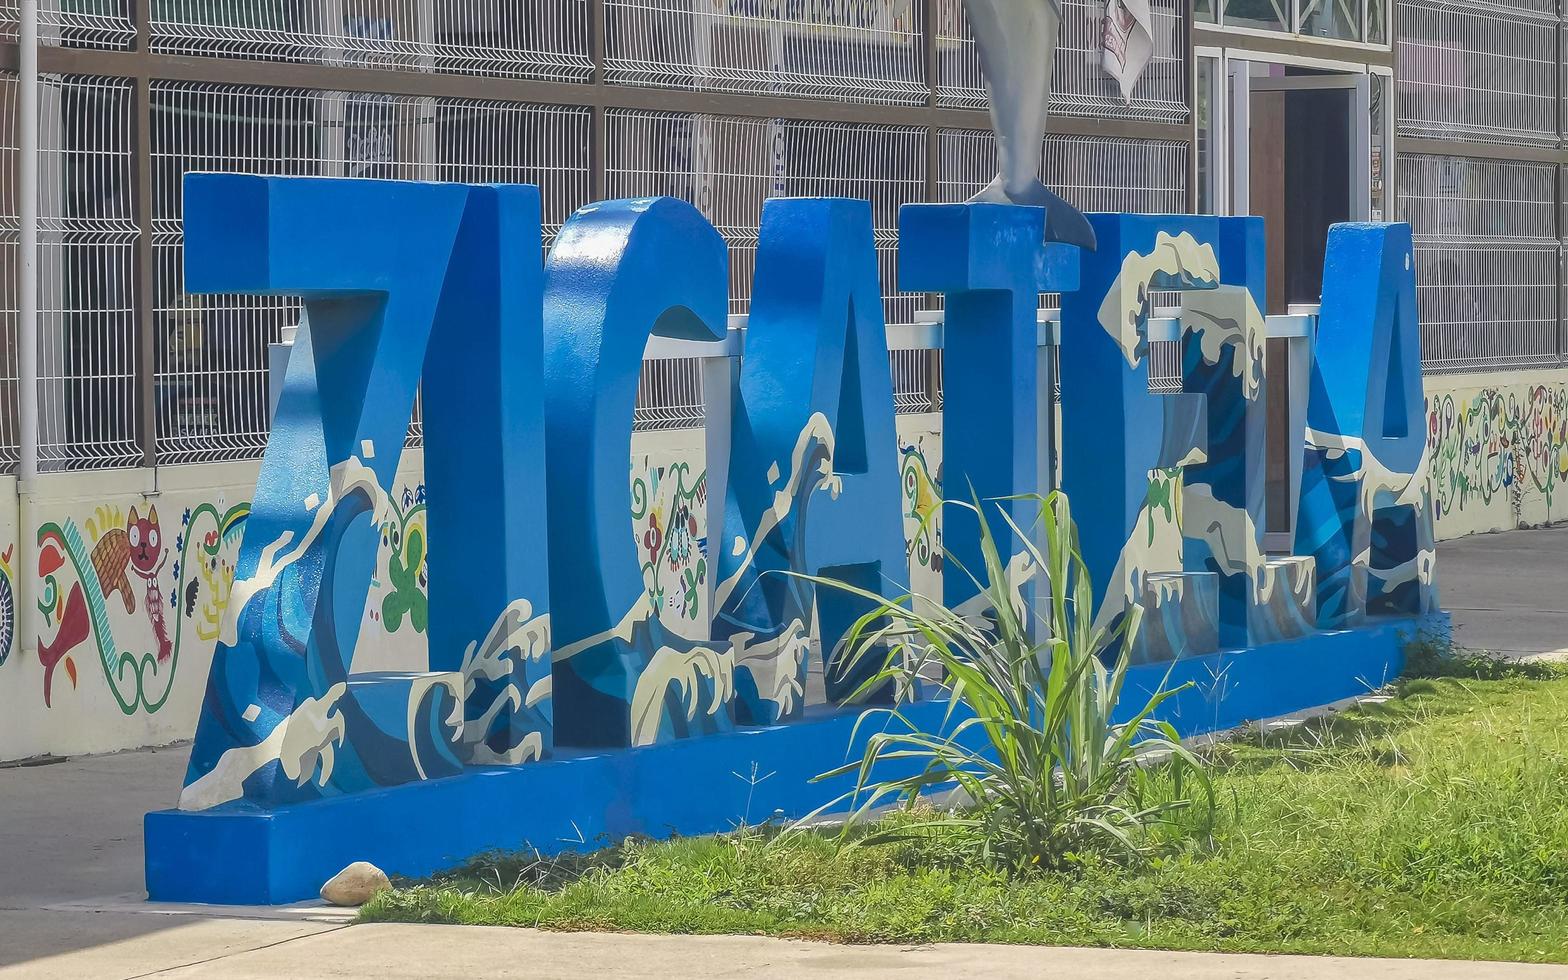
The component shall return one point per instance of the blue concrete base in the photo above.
(241, 855)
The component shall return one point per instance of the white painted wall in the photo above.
(1497, 451)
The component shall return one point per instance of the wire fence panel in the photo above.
(74, 23)
(10, 261)
(544, 39)
(1486, 254)
(1477, 71)
(1489, 306)
(728, 165)
(1091, 173)
(669, 395)
(211, 373)
(848, 50)
(917, 381)
(87, 351)
(1081, 87)
(1461, 198)
(211, 377)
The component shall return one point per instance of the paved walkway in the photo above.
(1508, 592)
(71, 874)
(236, 950)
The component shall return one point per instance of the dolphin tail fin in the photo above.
(1063, 222)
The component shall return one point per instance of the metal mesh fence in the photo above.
(669, 395)
(1477, 71)
(1081, 87)
(544, 39)
(87, 351)
(1487, 306)
(849, 50)
(1486, 260)
(728, 165)
(211, 376)
(1460, 198)
(1091, 173)
(75, 23)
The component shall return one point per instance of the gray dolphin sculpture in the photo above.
(1017, 41)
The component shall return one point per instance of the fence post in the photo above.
(145, 317)
(27, 287)
(597, 150)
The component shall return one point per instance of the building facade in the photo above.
(153, 405)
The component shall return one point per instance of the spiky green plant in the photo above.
(1042, 770)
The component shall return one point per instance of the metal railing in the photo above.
(545, 39)
(1452, 197)
(1080, 87)
(1488, 306)
(133, 370)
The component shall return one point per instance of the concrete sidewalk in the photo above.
(71, 897)
(238, 950)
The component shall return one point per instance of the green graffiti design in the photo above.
(1499, 441)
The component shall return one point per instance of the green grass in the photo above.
(1434, 825)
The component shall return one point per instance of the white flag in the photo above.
(1128, 42)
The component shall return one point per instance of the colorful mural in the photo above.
(7, 604)
(1498, 455)
(405, 598)
(669, 524)
(124, 555)
(920, 469)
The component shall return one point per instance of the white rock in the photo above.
(355, 884)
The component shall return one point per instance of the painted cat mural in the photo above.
(80, 573)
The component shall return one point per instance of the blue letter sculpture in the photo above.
(285, 719)
(990, 265)
(542, 634)
(812, 434)
(618, 272)
(1365, 504)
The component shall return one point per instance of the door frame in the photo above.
(1232, 122)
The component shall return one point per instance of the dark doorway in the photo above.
(1300, 181)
